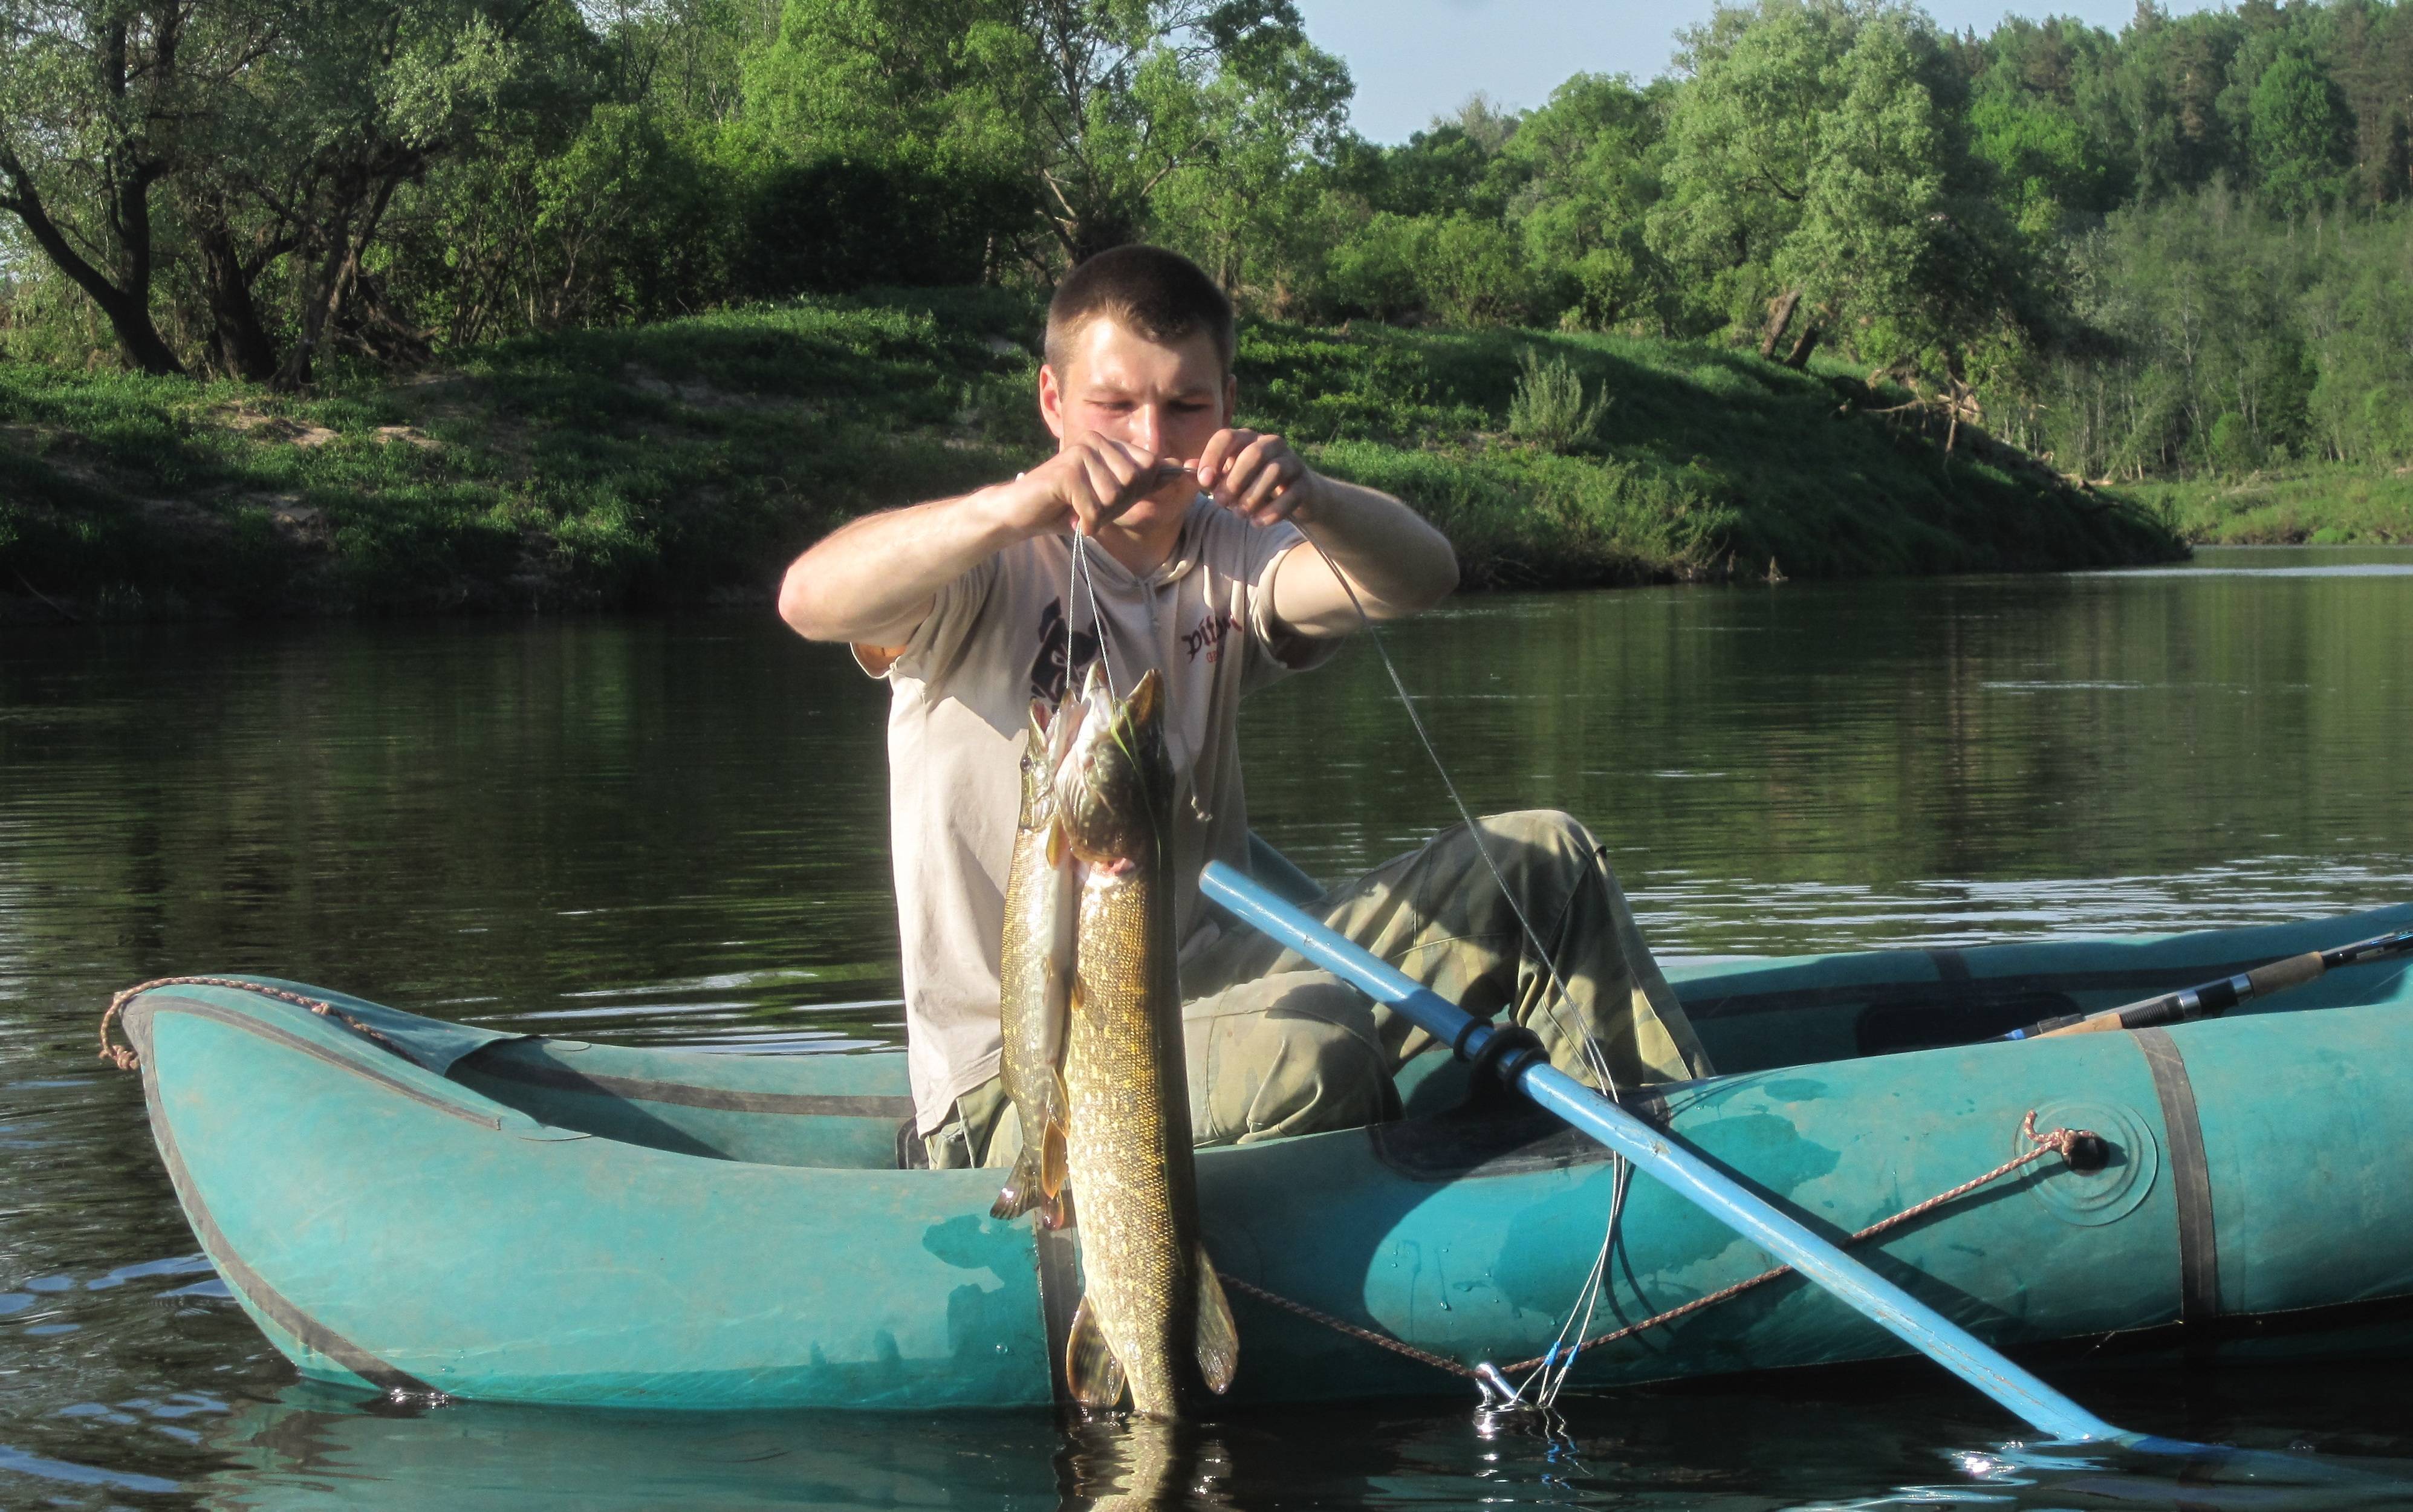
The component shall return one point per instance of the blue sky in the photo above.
(1416, 58)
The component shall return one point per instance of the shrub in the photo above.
(1548, 408)
(2234, 446)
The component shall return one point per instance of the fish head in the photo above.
(1113, 792)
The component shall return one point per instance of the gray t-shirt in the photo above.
(962, 687)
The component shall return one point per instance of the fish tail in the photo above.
(1091, 1370)
(1219, 1336)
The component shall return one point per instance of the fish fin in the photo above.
(1056, 844)
(1057, 1213)
(1055, 1135)
(1219, 1338)
(1054, 1162)
(1022, 1190)
(1091, 1371)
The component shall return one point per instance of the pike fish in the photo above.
(1154, 1316)
(1041, 908)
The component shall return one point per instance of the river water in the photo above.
(673, 832)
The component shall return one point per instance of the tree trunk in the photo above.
(239, 342)
(348, 234)
(1803, 345)
(127, 310)
(1780, 316)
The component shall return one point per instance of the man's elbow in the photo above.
(804, 606)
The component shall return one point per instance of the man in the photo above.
(1196, 564)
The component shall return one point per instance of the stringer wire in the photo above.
(1555, 996)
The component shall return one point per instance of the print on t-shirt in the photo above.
(1208, 635)
(1049, 676)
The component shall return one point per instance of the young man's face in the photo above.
(1166, 398)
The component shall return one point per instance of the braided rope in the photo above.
(1381, 1340)
(2055, 1142)
(124, 1057)
(2059, 1141)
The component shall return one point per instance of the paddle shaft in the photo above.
(2209, 999)
(1661, 1156)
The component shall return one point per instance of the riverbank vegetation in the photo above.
(2308, 505)
(2176, 252)
(688, 460)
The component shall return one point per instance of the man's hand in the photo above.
(1088, 485)
(1256, 476)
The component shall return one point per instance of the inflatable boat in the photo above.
(415, 1206)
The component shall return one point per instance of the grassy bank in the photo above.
(2323, 506)
(688, 462)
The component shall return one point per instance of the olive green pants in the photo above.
(1277, 1048)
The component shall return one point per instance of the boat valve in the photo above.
(2088, 1153)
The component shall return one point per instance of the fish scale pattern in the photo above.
(1133, 1184)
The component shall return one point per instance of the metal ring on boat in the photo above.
(2091, 1199)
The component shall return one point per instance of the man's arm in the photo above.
(1396, 561)
(873, 581)
(1393, 558)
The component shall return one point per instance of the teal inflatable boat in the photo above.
(416, 1206)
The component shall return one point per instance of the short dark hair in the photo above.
(1151, 290)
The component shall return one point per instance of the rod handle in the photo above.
(2292, 973)
(2097, 1024)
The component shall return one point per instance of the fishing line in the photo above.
(1595, 1279)
(1558, 987)
(1083, 578)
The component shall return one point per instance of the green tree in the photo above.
(1819, 161)
(101, 102)
(1250, 203)
(2301, 134)
(1590, 162)
(1096, 102)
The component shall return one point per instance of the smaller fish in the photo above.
(1042, 913)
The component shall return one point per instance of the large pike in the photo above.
(1154, 1315)
(1041, 908)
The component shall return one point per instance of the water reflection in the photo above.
(309, 1449)
(675, 832)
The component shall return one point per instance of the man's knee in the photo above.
(1542, 837)
(1293, 1054)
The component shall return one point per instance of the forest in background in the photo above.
(2182, 249)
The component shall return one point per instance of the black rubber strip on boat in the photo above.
(1059, 1294)
(306, 1330)
(2190, 1183)
(684, 1094)
(1951, 965)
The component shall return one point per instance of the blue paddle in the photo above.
(1659, 1154)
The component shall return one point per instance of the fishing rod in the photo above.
(2209, 999)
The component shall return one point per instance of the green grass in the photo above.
(2321, 505)
(1706, 463)
(689, 461)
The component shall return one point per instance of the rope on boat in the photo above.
(2059, 1142)
(1380, 1341)
(124, 1057)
